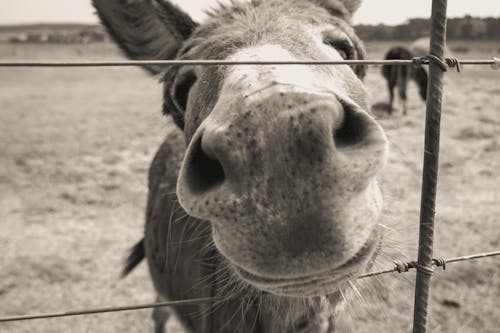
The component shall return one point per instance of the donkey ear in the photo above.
(351, 5)
(146, 29)
(343, 8)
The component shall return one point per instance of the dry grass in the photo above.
(75, 151)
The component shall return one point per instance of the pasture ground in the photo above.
(75, 147)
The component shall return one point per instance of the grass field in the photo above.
(75, 146)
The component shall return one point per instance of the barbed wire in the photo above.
(398, 267)
(494, 62)
(438, 262)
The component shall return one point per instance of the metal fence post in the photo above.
(430, 170)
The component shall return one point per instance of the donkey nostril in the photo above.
(352, 130)
(203, 172)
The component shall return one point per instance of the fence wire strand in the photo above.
(398, 267)
(494, 62)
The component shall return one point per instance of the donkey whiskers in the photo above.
(356, 290)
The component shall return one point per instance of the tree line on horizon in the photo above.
(463, 28)
(466, 27)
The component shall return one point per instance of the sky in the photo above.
(371, 11)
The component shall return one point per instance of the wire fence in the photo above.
(416, 61)
(425, 263)
(398, 267)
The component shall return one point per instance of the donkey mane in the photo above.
(235, 7)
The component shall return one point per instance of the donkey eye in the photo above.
(343, 54)
(343, 47)
(181, 88)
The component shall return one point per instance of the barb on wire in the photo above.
(126, 63)
(444, 64)
(438, 262)
(399, 267)
(496, 63)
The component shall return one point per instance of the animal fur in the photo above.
(185, 237)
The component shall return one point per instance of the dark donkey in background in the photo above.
(400, 75)
(265, 194)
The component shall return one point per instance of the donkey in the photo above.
(264, 197)
(400, 75)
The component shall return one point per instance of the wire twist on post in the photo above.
(453, 62)
(439, 262)
(427, 270)
(444, 64)
(437, 60)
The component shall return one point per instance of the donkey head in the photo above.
(281, 160)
